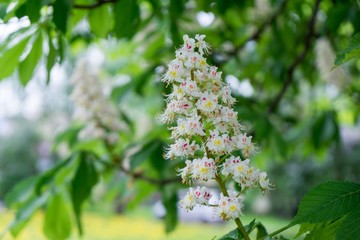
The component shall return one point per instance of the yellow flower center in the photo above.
(173, 73)
(208, 104)
(217, 142)
(233, 208)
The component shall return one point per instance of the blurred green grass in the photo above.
(140, 225)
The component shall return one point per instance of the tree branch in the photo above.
(141, 176)
(290, 72)
(94, 5)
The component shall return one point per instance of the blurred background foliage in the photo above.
(293, 67)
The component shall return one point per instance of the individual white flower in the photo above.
(190, 87)
(188, 126)
(183, 106)
(189, 200)
(195, 127)
(203, 169)
(228, 115)
(214, 75)
(227, 166)
(249, 150)
(225, 95)
(189, 43)
(229, 207)
(182, 148)
(202, 195)
(243, 141)
(240, 169)
(215, 142)
(207, 103)
(201, 44)
(169, 114)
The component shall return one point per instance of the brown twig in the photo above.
(94, 5)
(290, 72)
(141, 176)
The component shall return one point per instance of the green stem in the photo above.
(237, 220)
(278, 231)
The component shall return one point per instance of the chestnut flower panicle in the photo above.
(206, 131)
(101, 119)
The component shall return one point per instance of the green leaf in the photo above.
(324, 231)
(101, 20)
(250, 227)
(3, 7)
(127, 18)
(51, 58)
(28, 65)
(304, 228)
(57, 223)
(261, 231)
(351, 52)
(48, 176)
(327, 202)
(170, 199)
(33, 10)
(25, 212)
(325, 129)
(69, 136)
(21, 192)
(95, 146)
(61, 47)
(157, 161)
(336, 15)
(118, 93)
(350, 227)
(232, 235)
(13, 38)
(21, 11)
(175, 8)
(84, 180)
(143, 154)
(61, 14)
(281, 145)
(142, 191)
(9, 57)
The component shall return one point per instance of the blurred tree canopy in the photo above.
(293, 64)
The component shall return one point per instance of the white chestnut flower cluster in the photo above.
(206, 131)
(93, 108)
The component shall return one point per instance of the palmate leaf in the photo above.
(350, 227)
(328, 202)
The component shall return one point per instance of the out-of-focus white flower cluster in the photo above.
(206, 131)
(93, 108)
